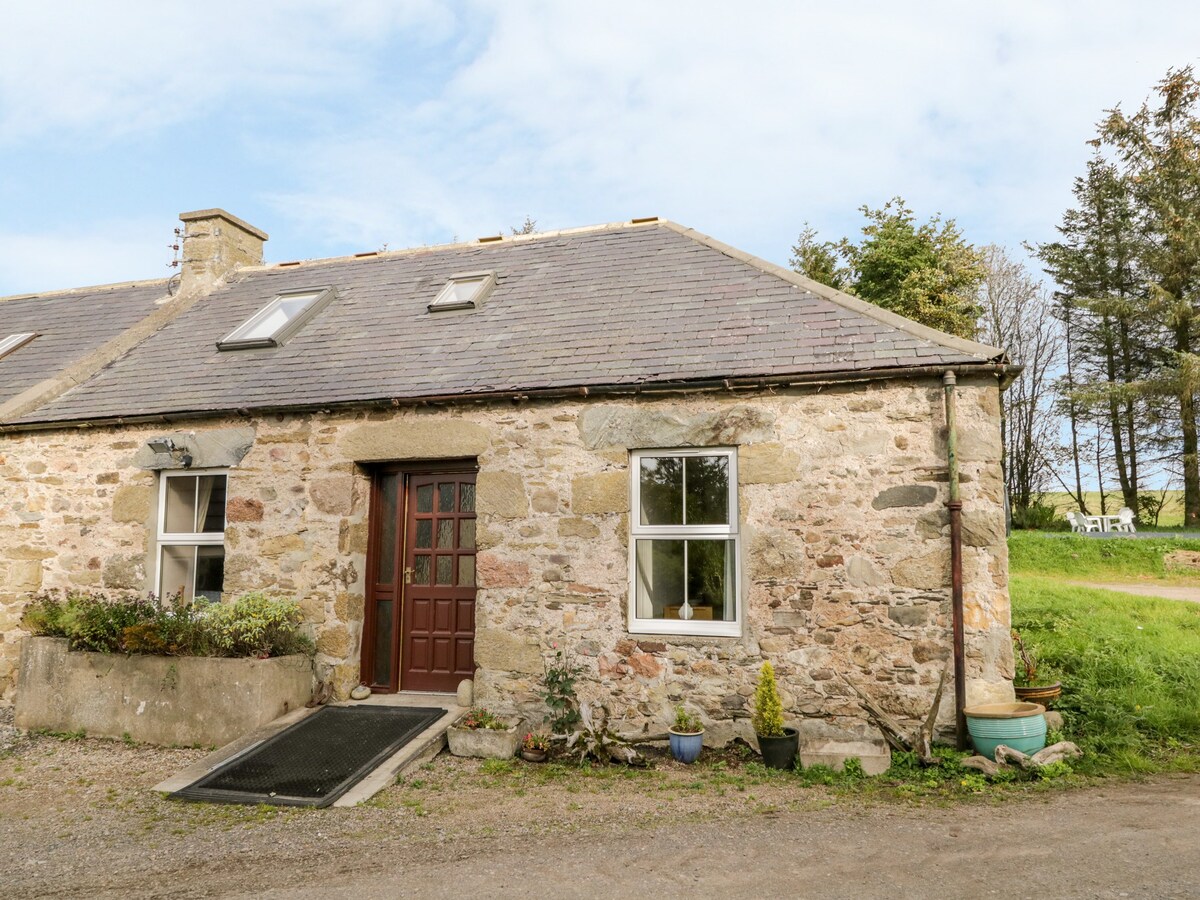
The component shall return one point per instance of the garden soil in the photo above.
(77, 820)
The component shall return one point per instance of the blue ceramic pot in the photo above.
(686, 747)
(1021, 726)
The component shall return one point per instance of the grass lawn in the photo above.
(1130, 665)
(1076, 558)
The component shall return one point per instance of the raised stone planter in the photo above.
(486, 743)
(167, 700)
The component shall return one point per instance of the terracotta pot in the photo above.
(1040, 693)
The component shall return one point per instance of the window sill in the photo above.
(673, 628)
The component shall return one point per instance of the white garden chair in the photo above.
(1080, 522)
(1125, 520)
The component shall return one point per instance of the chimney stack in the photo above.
(214, 244)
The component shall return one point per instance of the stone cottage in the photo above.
(631, 442)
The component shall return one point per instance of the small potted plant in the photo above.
(777, 743)
(481, 733)
(535, 747)
(1025, 684)
(686, 736)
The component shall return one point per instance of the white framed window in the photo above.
(684, 543)
(191, 533)
(466, 290)
(278, 320)
(13, 341)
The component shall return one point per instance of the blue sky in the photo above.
(342, 126)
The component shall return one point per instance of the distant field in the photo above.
(1172, 511)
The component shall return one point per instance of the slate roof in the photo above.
(70, 325)
(614, 305)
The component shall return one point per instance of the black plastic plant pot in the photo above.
(779, 752)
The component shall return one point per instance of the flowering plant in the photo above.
(479, 717)
(535, 740)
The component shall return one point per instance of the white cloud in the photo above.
(119, 68)
(746, 120)
(741, 120)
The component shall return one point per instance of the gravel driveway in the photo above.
(76, 819)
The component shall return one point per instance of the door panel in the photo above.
(419, 630)
(438, 632)
(381, 625)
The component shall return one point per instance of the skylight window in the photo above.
(13, 341)
(465, 291)
(278, 320)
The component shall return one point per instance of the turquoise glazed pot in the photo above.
(1021, 726)
(686, 747)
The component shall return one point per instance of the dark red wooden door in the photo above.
(437, 648)
(381, 632)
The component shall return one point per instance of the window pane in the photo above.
(210, 572)
(661, 582)
(277, 314)
(421, 571)
(383, 642)
(388, 498)
(445, 570)
(707, 490)
(659, 578)
(466, 571)
(210, 503)
(445, 531)
(710, 580)
(466, 499)
(459, 291)
(661, 488)
(176, 568)
(180, 516)
(424, 537)
(446, 497)
(425, 498)
(466, 534)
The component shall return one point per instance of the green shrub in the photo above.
(254, 625)
(1039, 516)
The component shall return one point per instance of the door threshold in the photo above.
(407, 698)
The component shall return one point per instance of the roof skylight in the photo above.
(465, 291)
(13, 341)
(278, 320)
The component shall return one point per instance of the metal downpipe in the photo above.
(954, 504)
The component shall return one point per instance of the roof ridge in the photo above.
(846, 301)
(116, 285)
(459, 245)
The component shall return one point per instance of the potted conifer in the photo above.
(777, 743)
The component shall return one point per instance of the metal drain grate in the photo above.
(315, 761)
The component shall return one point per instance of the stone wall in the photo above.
(845, 547)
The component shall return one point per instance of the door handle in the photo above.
(408, 574)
